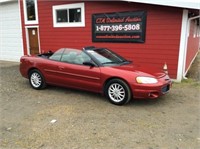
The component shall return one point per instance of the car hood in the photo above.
(144, 70)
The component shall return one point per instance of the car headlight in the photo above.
(146, 80)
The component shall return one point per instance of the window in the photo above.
(57, 55)
(69, 15)
(72, 56)
(75, 57)
(196, 29)
(30, 11)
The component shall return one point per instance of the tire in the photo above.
(36, 79)
(117, 92)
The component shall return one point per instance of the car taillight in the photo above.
(21, 60)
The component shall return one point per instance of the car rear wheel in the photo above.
(117, 92)
(36, 79)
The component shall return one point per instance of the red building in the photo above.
(145, 33)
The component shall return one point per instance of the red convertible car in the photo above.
(95, 69)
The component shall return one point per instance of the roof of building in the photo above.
(3, 1)
(191, 4)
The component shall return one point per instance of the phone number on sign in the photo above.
(115, 28)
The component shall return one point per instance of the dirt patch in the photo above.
(88, 120)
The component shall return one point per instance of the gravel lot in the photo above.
(86, 120)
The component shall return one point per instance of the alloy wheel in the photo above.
(36, 80)
(116, 92)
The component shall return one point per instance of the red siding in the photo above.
(193, 44)
(162, 32)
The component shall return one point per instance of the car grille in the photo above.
(165, 89)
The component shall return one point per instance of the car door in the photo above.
(52, 68)
(69, 71)
(78, 75)
(81, 77)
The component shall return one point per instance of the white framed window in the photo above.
(30, 11)
(69, 15)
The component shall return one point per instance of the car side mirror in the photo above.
(87, 63)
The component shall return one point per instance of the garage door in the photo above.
(11, 48)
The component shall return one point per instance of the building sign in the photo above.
(119, 27)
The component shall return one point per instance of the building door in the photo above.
(11, 43)
(33, 41)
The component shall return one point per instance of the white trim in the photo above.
(69, 24)
(27, 38)
(183, 46)
(21, 25)
(25, 13)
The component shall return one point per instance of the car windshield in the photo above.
(106, 57)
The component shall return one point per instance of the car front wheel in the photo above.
(117, 92)
(36, 79)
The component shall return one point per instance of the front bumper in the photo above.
(152, 91)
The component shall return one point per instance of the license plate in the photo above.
(165, 89)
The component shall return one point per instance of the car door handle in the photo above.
(60, 67)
